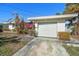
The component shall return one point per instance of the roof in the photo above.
(53, 17)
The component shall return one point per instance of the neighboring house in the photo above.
(8, 26)
(49, 26)
(11, 26)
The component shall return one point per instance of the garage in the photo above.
(47, 30)
(50, 26)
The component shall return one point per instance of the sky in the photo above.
(25, 10)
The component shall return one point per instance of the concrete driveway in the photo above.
(43, 47)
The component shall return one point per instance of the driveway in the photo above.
(43, 47)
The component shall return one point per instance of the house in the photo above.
(11, 26)
(6, 26)
(49, 26)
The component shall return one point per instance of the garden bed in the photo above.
(72, 50)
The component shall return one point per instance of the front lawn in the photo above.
(73, 51)
(10, 48)
(10, 43)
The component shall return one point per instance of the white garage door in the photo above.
(47, 30)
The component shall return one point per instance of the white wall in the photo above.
(61, 27)
(36, 28)
(11, 27)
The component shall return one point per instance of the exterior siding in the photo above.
(61, 27)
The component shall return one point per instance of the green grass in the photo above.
(9, 45)
(73, 51)
(10, 48)
(5, 51)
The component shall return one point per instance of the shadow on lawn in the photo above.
(4, 40)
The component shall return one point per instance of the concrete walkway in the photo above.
(43, 47)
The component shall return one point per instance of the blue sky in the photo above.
(29, 9)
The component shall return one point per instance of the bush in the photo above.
(1, 30)
(23, 31)
(14, 30)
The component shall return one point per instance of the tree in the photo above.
(17, 23)
(71, 8)
(58, 13)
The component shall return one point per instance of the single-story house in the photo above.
(49, 26)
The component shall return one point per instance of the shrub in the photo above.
(14, 30)
(23, 31)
